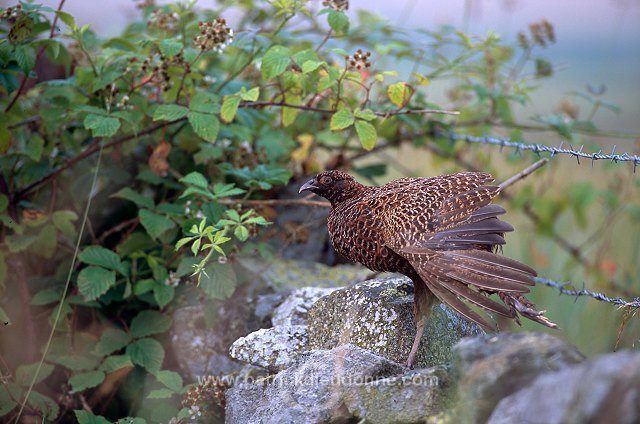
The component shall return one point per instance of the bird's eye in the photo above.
(326, 179)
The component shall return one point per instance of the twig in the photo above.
(267, 202)
(382, 114)
(526, 172)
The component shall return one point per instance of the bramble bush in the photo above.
(129, 163)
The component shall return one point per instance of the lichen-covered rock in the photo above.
(271, 348)
(291, 274)
(491, 367)
(605, 389)
(378, 315)
(201, 349)
(295, 308)
(313, 389)
(415, 396)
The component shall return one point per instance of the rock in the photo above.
(491, 367)
(271, 348)
(266, 304)
(602, 390)
(378, 315)
(290, 274)
(312, 389)
(201, 349)
(294, 309)
(415, 396)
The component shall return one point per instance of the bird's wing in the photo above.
(443, 243)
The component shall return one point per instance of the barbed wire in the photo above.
(571, 291)
(542, 148)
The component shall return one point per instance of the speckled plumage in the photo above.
(440, 231)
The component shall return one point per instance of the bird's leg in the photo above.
(416, 342)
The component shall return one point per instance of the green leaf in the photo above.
(289, 114)
(46, 242)
(67, 18)
(9, 392)
(338, 21)
(137, 198)
(25, 55)
(241, 232)
(148, 353)
(220, 280)
(251, 95)
(229, 108)
(101, 126)
(47, 296)
(275, 61)
(205, 125)
(366, 114)
(196, 179)
(85, 417)
(115, 362)
(94, 281)
(170, 112)
(155, 224)
(86, 380)
(398, 93)
(45, 406)
(98, 255)
(311, 65)
(205, 102)
(341, 119)
(149, 322)
(34, 147)
(170, 47)
(76, 362)
(63, 219)
(160, 394)
(170, 379)
(163, 294)
(112, 339)
(367, 134)
(25, 373)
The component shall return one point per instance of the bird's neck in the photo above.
(354, 189)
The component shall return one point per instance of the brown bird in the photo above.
(442, 232)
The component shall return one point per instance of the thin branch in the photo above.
(331, 111)
(523, 174)
(94, 147)
(270, 202)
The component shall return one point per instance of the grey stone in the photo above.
(378, 315)
(202, 349)
(290, 274)
(602, 390)
(416, 396)
(313, 389)
(294, 309)
(271, 348)
(491, 367)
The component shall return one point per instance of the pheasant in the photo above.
(442, 232)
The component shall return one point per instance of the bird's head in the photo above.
(332, 185)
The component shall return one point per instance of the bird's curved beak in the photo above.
(309, 185)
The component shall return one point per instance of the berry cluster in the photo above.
(542, 33)
(164, 21)
(339, 5)
(159, 69)
(11, 12)
(359, 60)
(214, 35)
